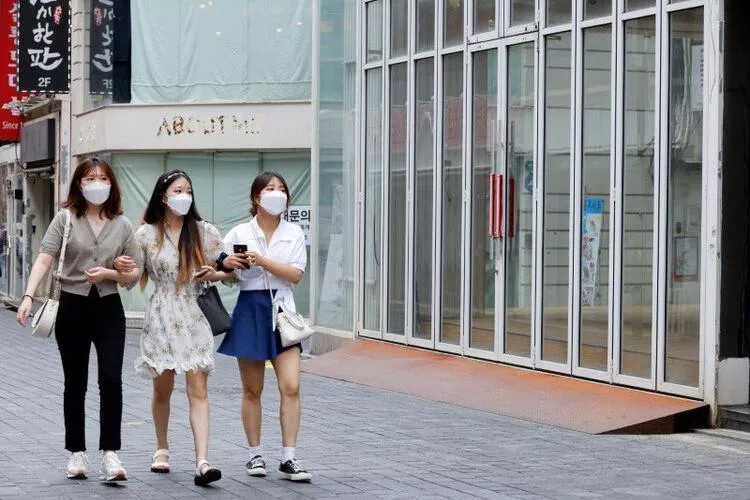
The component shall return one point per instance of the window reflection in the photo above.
(425, 25)
(399, 27)
(424, 124)
(374, 36)
(519, 220)
(484, 16)
(557, 175)
(522, 12)
(484, 105)
(595, 223)
(558, 12)
(373, 185)
(453, 19)
(452, 196)
(638, 202)
(397, 200)
(684, 206)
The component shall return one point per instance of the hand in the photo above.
(23, 311)
(97, 275)
(236, 261)
(205, 273)
(124, 264)
(256, 259)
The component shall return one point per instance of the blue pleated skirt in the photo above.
(252, 336)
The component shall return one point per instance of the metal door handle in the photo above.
(492, 206)
(499, 206)
(511, 207)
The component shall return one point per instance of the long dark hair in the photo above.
(260, 183)
(77, 202)
(190, 246)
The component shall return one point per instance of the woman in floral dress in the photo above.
(177, 246)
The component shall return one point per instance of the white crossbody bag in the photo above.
(44, 320)
(293, 328)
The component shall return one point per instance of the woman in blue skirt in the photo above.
(268, 256)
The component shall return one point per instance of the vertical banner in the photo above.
(44, 46)
(593, 215)
(10, 112)
(102, 46)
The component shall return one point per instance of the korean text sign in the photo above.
(300, 215)
(10, 113)
(44, 46)
(102, 46)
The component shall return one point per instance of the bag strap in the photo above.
(203, 285)
(264, 251)
(61, 260)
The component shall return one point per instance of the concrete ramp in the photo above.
(561, 401)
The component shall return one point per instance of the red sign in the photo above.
(10, 114)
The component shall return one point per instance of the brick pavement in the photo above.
(358, 442)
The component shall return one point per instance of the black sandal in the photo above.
(210, 475)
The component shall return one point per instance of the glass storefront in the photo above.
(336, 145)
(531, 193)
(684, 193)
(557, 196)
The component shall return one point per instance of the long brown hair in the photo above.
(190, 246)
(76, 201)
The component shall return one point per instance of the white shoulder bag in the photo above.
(293, 328)
(44, 320)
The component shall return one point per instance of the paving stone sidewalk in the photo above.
(359, 442)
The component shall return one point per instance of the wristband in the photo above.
(220, 262)
(27, 295)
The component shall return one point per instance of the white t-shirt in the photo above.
(287, 246)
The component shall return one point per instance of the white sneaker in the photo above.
(77, 465)
(112, 469)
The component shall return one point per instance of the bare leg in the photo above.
(252, 374)
(287, 367)
(197, 391)
(163, 386)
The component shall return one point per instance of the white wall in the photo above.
(193, 127)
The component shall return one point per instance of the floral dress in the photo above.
(176, 335)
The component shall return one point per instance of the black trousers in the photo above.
(82, 321)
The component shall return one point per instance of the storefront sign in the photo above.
(44, 46)
(209, 125)
(593, 215)
(10, 111)
(101, 52)
(300, 215)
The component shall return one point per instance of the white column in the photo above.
(712, 161)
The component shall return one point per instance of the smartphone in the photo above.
(241, 249)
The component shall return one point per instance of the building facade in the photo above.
(221, 91)
(534, 182)
(542, 183)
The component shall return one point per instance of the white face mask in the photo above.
(273, 202)
(96, 192)
(180, 203)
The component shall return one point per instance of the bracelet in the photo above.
(27, 295)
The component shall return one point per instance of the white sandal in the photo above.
(205, 477)
(159, 466)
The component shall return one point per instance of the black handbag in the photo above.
(214, 310)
